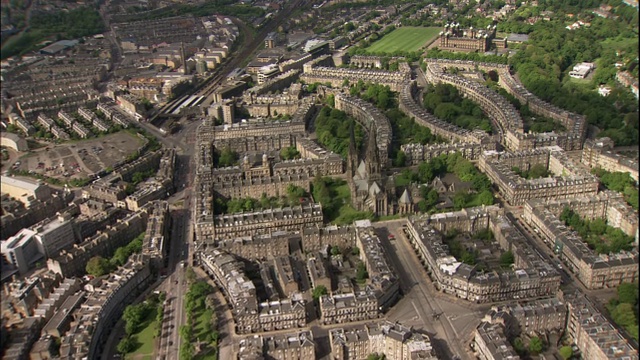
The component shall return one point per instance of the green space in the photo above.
(624, 307)
(98, 266)
(146, 337)
(532, 122)
(445, 102)
(142, 326)
(620, 182)
(333, 129)
(599, 236)
(72, 24)
(289, 153)
(406, 38)
(405, 129)
(295, 196)
(551, 52)
(335, 198)
(466, 254)
(535, 172)
(439, 166)
(225, 158)
(201, 322)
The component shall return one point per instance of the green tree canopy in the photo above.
(289, 153)
(318, 291)
(98, 266)
(126, 345)
(566, 352)
(536, 346)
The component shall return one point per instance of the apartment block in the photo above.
(532, 277)
(107, 297)
(593, 334)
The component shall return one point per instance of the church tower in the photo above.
(372, 157)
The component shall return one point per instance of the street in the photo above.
(429, 312)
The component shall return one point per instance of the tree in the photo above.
(628, 293)
(97, 266)
(126, 345)
(190, 275)
(318, 291)
(289, 153)
(536, 346)
(485, 197)
(518, 346)
(459, 200)
(361, 272)
(506, 259)
(227, 157)
(566, 352)
(186, 332)
(335, 250)
(186, 351)
(400, 160)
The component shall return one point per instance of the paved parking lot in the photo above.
(80, 159)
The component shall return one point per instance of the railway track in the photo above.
(251, 45)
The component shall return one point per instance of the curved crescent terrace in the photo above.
(368, 116)
(504, 114)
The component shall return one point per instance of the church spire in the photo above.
(372, 157)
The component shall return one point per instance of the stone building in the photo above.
(284, 275)
(417, 153)
(392, 340)
(350, 307)
(598, 154)
(370, 190)
(298, 345)
(594, 335)
(530, 318)
(532, 276)
(258, 246)
(455, 38)
(491, 343)
(268, 220)
(593, 270)
(318, 272)
(408, 105)
(371, 119)
(502, 113)
(106, 299)
(382, 280)
(568, 179)
(72, 262)
(319, 238)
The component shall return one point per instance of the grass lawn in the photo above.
(145, 338)
(201, 324)
(406, 38)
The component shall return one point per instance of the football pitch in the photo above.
(406, 38)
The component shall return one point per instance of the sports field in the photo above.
(406, 38)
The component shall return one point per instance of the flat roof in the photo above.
(26, 184)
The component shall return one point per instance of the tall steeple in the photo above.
(372, 158)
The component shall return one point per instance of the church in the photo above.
(370, 189)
